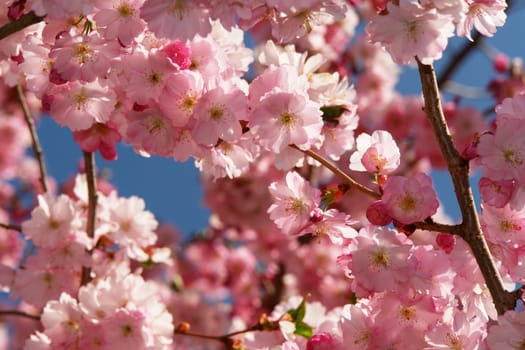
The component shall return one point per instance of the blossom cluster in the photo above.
(315, 261)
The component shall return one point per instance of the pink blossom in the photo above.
(503, 225)
(484, 15)
(282, 119)
(61, 320)
(230, 159)
(501, 154)
(218, 114)
(333, 223)
(496, 193)
(59, 9)
(37, 65)
(357, 326)
(446, 241)
(180, 96)
(150, 131)
(511, 108)
(376, 153)
(176, 19)
(324, 341)
(80, 57)
(40, 282)
(409, 30)
(99, 137)
(144, 77)
(508, 332)
(379, 261)
(410, 199)
(377, 214)
(136, 226)
(53, 222)
(298, 19)
(294, 200)
(119, 19)
(78, 106)
(11, 245)
(179, 53)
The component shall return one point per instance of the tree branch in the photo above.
(11, 227)
(333, 168)
(23, 22)
(459, 171)
(37, 148)
(264, 324)
(89, 163)
(437, 227)
(19, 313)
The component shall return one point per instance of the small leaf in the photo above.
(304, 330)
(298, 313)
(331, 114)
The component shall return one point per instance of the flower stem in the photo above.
(333, 168)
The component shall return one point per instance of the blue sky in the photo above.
(172, 190)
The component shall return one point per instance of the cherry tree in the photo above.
(326, 229)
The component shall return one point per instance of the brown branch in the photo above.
(89, 163)
(437, 227)
(23, 22)
(459, 171)
(11, 227)
(264, 324)
(19, 313)
(37, 149)
(333, 168)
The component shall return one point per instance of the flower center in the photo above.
(408, 203)
(126, 11)
(512, 157)
(287, 120)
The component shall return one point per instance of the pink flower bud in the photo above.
(446, 241)
(178, 53)
(316, 215)
(377, 214)
(501, 63)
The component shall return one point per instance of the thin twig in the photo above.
(89, 163)
(458, 58)
(11, 227)
(459, 171)
(333, 168)
(37, 148)
(23, 22)
(263, 325)
(437, 227)
(19, 313)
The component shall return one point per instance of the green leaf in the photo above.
(304, 330)
(353, 299)
(331, 114)
(298, 313)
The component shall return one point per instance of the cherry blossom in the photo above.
(376, 153)
(409, 30)
(410, 199)
(294, 201)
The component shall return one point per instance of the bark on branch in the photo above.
(21, 23)
(470, 228)
(89, 163)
